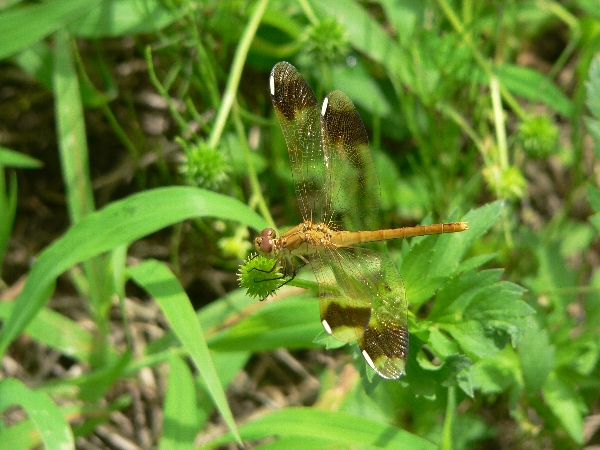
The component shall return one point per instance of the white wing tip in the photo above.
(369, 360)
(272, 84)
(326, 326)
(324, 107)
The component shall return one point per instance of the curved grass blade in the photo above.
(54, 429)
(162, 284)
(119, 223)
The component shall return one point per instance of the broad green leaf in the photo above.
(454, 297)
(124, 17)
(566, 404)
(290, 322)
(475, 262)
(581, 354)
(27, 23)
(500, 310)
(331, 428)
(162, 284)
(524, 82)
(533, 85)
(498, 302)
(362, 89)
(536, 355)
(180, 420)
(451, 250)
(424, 378)
(554, 279)
(21, 435)
(419, 282)
(406, 16)
(497, 373)
(55, 430)
(473, 338)
(366, 35)
(226, 309)
(432, 259)
(119, 223)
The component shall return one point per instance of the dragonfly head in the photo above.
(263, 244)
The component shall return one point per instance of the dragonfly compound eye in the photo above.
(264, 243)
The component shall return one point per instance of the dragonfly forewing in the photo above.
(298, 113)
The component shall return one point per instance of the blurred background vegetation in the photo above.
(139, 156)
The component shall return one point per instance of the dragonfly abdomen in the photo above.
(347, 238)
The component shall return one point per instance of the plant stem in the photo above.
(236, 72)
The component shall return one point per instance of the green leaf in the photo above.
(478, 311)
(93, 386)
(420, 283)
(292, 322)
(20, 435)
(115, 18)
(554, 279)
(431, 260)
(533, 85)
(362, 89)
(592, 89)
(473, 338)
(73, 149)
(24, 24)
(497, 373)
(162, 284)
(594, 198)
(181, 416)
(536, 355)
(524, 82)
(329, 428)
(10, 158)
(454, 297)
(499, 301)
(54, 429)
(425, 378)
(449, 252)
(119, 223)
(593, 127)
(367, 36)
(566, 404)
(406, 16)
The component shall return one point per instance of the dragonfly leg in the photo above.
(290, 275)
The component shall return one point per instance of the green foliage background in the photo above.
(504, 318)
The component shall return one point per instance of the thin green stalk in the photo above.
(449, 420)
(236, 72)
(203, 63)
(305, 284)
(499, 123)
(308, 11)
(252, 175)
(481, 60)
(454, 115)
(108, 114)
(165, 94)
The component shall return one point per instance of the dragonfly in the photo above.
(361, 294)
